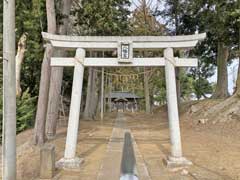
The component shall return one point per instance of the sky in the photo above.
(232, 75)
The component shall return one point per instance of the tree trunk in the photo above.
(19, 60)
(40, 121)
(94, 94)
(56, 77)
(177, 32)
(39, 130)
(99, 100)
(146, 92)
(102, 94)
(54, 99)
(109, 95)
(222, 74)
(86, 113)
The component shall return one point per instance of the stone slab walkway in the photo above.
(110, 167)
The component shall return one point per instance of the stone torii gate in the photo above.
(124, 46)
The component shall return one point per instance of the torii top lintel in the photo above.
(124, 46)
(63, 41)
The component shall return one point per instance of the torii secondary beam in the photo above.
(113, 62)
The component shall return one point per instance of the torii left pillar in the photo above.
(70, 159)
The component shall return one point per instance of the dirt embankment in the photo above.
(217, 116)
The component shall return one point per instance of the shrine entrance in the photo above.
(124, 46)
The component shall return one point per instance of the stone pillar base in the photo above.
(73, 163)
(172, 162)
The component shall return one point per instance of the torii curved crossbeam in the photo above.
(185, 41)
(114, 42)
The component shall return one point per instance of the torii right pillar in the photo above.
(176, 158)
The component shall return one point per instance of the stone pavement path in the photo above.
(110, 167)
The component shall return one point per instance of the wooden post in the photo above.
(9, 92)
(70, 160)
(102, 94)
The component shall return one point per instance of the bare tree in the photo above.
(19, 60)
(146, 91)
(9, 92)
(146, 24)
(40, 121)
